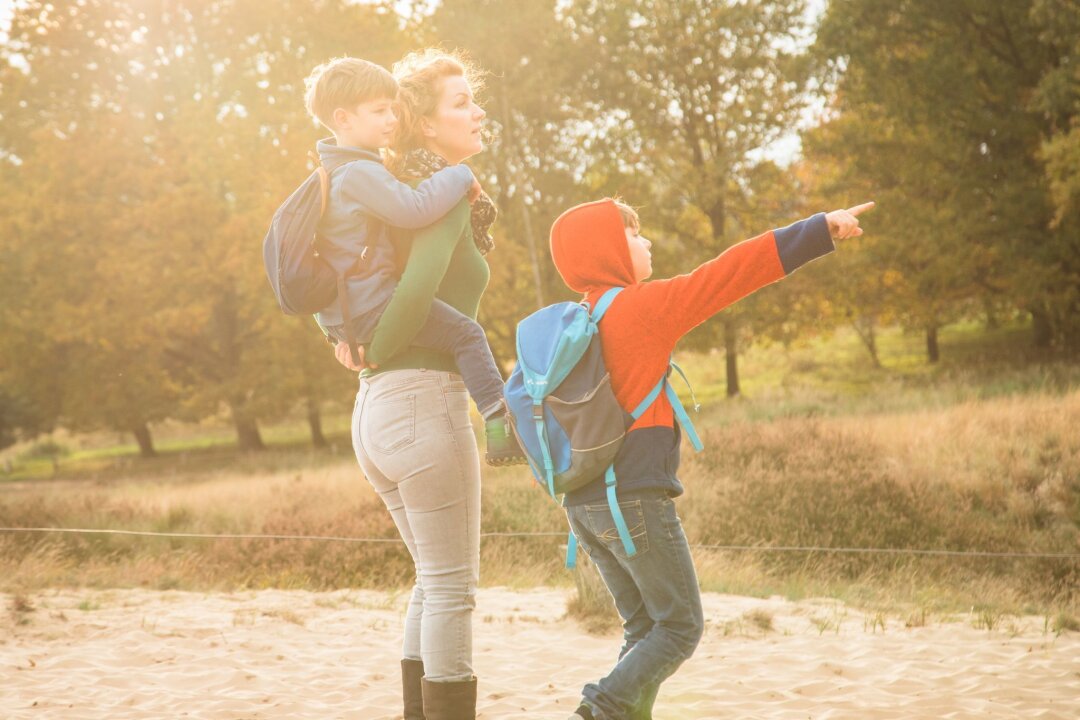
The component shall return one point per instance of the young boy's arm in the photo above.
(673, 307)
(371, 189)
(410, 305)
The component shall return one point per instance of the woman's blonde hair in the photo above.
(419, 76)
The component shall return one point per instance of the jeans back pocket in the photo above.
(602, 525)
(391, 423)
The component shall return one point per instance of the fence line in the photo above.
(398, 541)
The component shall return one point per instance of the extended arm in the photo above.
(675, 306)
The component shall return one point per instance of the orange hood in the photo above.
(588, 245)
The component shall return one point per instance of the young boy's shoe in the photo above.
(503, 447)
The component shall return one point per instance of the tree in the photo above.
(990, 196)
(146, 145)
(698, 87)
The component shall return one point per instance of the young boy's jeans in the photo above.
(656, 593)
(449, 331)
(415, 443)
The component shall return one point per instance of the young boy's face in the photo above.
(639, 253)
(369, 124)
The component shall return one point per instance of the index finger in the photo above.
(861, 208)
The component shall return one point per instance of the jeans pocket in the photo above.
(392, 423)
(457, 408)
(602, 525)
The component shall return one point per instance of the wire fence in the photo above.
(398, 541)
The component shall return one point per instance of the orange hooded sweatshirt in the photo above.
(640, 329)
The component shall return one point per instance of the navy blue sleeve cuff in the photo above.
(803, 241)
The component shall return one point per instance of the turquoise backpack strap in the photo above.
(616, 513)
(649, 399)
(604, 303)
(680, 411)
(541, 434)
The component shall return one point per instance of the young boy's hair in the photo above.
(346, 82)
(628, 214)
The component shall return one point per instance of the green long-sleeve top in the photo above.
(443, 263)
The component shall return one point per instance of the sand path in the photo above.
(115, 655)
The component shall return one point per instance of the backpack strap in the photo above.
(342, 289)
(541, 434)
(604, 303)
(680, 411)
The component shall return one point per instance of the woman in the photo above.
(411, 429)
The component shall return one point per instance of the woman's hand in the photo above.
(845, 223)
(341, 352)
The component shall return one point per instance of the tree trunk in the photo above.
(1042, 327)
(992, 320)
(933, 353)
(731, 355)
(315, 423)
(146, 442)
(509, 141)
(247, 430)
(866, 329)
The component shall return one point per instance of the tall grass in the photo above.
(981, 456)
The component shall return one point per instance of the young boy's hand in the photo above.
(845, 223)
(474, 191)
(341, 352)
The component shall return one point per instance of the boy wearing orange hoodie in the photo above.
(597, 246)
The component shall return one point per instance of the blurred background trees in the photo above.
(144, 145)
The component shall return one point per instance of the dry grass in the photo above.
(591, 604)
(956, 468)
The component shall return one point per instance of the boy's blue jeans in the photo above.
(656, 593)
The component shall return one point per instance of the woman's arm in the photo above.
(410, 305)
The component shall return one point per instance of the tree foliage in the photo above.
(144, 145)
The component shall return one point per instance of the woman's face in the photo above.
(453, 130)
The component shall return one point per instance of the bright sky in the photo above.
(5, 17)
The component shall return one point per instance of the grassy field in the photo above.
(978, 453)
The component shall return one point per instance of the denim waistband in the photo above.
(412, 377)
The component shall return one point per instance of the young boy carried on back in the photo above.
(354, 99)
(597, 246)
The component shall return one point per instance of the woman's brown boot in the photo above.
(412, 673)
(450, 700)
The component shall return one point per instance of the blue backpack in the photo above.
(564, 410)
(302, 280)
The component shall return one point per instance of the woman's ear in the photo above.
(426, 129)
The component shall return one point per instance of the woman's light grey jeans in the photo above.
(414, 442)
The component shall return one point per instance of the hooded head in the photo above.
(588, 246)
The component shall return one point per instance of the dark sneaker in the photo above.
(502, 444)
